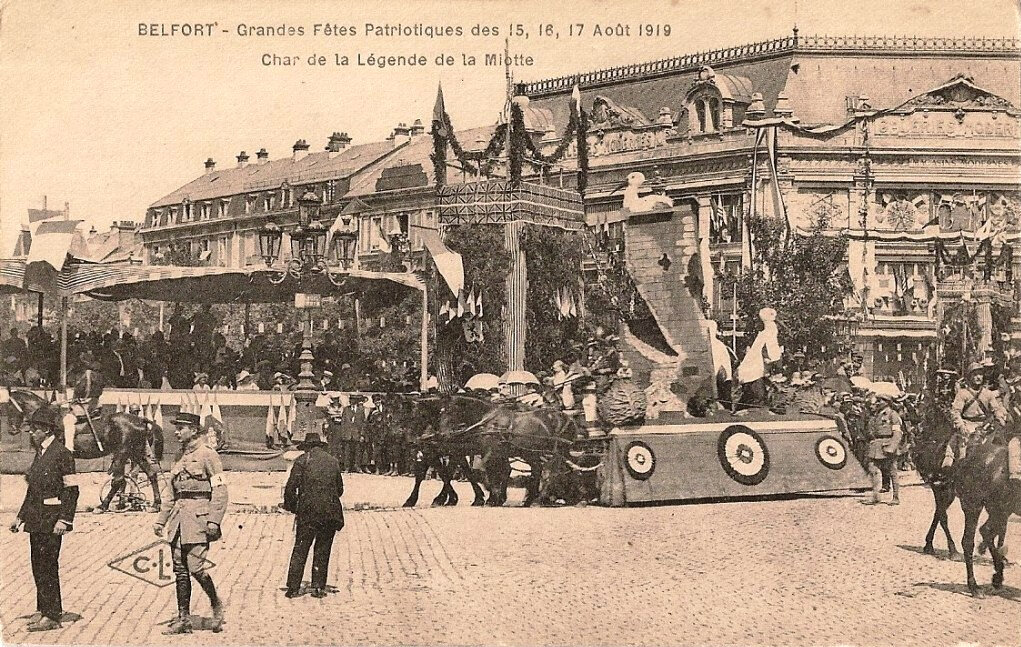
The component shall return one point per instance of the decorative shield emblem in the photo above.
(831, 452)
(640, 460)
(743, 455)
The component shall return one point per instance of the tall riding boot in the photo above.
(206, 582)
(182, 623)
(948, 457)
(1014, 458)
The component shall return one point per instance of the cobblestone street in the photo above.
(819, 570)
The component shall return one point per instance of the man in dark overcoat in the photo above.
(352, 427)
(47, 514)
(313, 493)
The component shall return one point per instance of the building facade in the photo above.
(896, 142)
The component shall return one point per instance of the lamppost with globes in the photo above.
(308, 259)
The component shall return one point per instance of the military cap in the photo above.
(184, 418)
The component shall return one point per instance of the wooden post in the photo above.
(39, 312)
(517, 286)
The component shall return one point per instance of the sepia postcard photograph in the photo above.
(512, 323)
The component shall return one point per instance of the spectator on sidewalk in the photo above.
(312, 494)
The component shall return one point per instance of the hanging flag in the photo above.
(444, 309)
(576, 100)
(746, 239)
(460, 304)
(451, 311)
(779, 207)
(558, 303)
(384, 241)
(471, 302)
(572, 308)
(439, 112)
(449, 263)
(478, 306)
(53, 242)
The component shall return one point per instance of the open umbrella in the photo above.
(519, 377)
(482, 382)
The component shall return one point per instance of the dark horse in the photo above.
(123, 436)
(458, 426)
(927, 454)
(443, 440)
(981, 482)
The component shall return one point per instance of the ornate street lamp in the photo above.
(344, 240)
(308, 259)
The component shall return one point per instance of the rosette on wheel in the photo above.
(831, 452)
(640, 460)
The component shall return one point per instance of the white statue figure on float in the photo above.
(644, 204)
(766, 349)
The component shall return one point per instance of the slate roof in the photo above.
(270, 175)
(818, 74)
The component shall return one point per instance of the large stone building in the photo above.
(896, 141)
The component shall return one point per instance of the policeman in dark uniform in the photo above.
(885, 430)
(197, 494)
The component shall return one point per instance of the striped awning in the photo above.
(12, 275)
(119, 281)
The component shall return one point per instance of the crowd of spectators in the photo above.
(194, 353)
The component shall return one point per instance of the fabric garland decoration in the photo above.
(270, 418)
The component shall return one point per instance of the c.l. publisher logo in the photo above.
(151, 564)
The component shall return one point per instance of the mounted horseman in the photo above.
(84, 405)
(974, 408)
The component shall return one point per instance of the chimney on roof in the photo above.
(210, 165)
(242, 159)
(417, 128)
(401, 134)
(262, 156)
(300, 149)
(337, 143)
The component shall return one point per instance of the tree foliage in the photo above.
(804, 279)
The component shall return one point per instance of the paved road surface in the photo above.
(806, 571)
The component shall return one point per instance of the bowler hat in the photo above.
(47, 416)
(312, 439)
(184, 418)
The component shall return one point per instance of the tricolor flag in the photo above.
(576, 100)
(449, 263)
(53, 242)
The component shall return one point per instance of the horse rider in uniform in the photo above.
(198, 501)
(973, 407)
(885, 430)
(84, 401)
(1010, 391)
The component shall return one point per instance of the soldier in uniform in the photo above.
(973, 407)
(84, 399)
(1010, 391)
(885, 430)
(197, 494)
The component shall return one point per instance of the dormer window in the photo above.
(267, 202)
(286, 197)
(249, 203)
(331, 191)
(186, 212)
(705, 114)
(173, 214)
(221, 208)
(205, 210)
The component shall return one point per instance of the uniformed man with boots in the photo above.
(973, 407)
(885, 431)
(197, 493)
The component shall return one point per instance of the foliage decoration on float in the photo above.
(486, 266)
(553, 260)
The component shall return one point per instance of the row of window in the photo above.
(262, 202)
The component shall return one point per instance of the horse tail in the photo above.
(156, 437)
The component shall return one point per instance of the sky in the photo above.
(97, 116)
